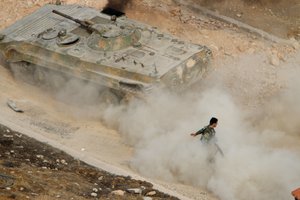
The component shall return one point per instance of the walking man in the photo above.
(208, 132)
(208, 137)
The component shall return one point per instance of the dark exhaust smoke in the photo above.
(118, 4)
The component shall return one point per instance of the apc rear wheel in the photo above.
(108, 97)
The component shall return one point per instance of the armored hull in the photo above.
(124, 55)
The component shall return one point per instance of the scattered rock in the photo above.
(93, 194)
(118, 192)
(147, 198)
(8, 136)
(175, 12)
(95, 190)
(40, 156)
(227, 54)
(134, 190)
(242, 48)
(281, 56)
(63, 162)
(212, 46)
(274, 60)
(11, 104)
(151, 193)
(295, 44)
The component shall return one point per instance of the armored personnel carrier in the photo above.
(125, 56)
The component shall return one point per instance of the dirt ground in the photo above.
(35, 170)
(281, 18)
(41, 172)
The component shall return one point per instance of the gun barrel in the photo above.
(82, 23)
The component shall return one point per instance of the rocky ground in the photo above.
(35, 170)
(280, 18)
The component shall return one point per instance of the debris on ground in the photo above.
(34, 170)
(12, 104)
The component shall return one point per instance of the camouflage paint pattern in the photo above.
(121, 54)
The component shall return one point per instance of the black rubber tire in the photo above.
(108, 97)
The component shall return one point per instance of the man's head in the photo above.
(213, 122)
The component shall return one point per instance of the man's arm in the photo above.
(201, 131)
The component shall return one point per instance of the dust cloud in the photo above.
(83, 96)
(286, 106)
(259, 162)
(253, 167)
